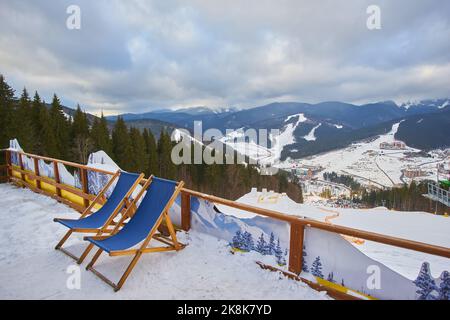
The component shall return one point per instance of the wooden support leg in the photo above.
(85, 253)
(64, 239)
(128, 271)
(94, 259)
(172, 231)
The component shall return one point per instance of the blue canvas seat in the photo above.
(158, 194)
(141, 228)
(98, 221)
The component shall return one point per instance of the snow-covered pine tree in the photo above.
(444, 286)
(304, 265)
(237, 240)
(316, 268)
(271, 245)
(279, 254)
(261, 244)
(426, 287)
(330, 277)
(247, 241)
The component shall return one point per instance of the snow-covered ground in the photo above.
(369, 164)
(418, 226)
(31, 269)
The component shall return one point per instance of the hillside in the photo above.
(426, 131)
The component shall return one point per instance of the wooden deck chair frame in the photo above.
(108, 222)
(172, 245)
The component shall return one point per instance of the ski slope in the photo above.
(370, 165)
(30, 268)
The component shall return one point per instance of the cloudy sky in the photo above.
(136, 56)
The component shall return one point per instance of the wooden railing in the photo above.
(297, 224)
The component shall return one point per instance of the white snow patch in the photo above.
(311, 135)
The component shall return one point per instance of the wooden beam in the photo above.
(296, 248)
(36, 172)
(57, 178)
(8, 164)
(21, 167)
(84, 184)
(185, 211)
(338, 295)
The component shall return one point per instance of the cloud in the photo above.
(134, 56)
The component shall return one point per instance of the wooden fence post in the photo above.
(8, 165)
(36, 172)
(185, 211)
(84, 185)
(57, 178)
(22, 175)
(296, 248)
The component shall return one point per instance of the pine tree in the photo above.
(81, 141)
(426, 286)
(247, 241)
(167, 168)
(49, 146)
(23, 126)
(330, 277)
(139, 158)
(304, 265)
(60, 129)
(316, 268)
(122, 148)
(36, 106)
(100, 135)
(271, 244)
(6, 111)
(261, 244)
(237, 241)
(444, 286)
(152, 154)
(279, 254)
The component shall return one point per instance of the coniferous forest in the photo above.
(46, 130)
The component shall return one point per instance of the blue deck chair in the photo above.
(98, 221)
(141, 228)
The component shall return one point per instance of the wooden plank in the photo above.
(36, 172)
(57, 178)
(21, 167)
(84, 185)
(296, 248)
(8, 164)
(338, 295)
(61, 186)
(185, 211)
(41, 191)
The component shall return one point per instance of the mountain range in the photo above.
(316, 128)
(425, 124)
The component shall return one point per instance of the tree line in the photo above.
(406, 198)
(47, 130)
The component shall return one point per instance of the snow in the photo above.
(101, 160)
(310, 136)
(445, 104)
(369, 164)
(31, 269)
(417, 226)
(258, 152)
